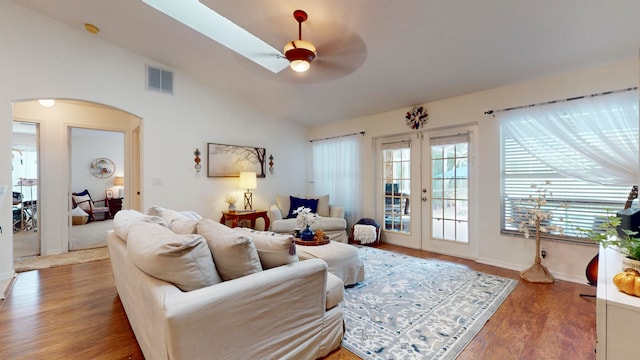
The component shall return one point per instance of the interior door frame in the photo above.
(464, 250)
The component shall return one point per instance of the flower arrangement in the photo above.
(230, 199)
(305, 217)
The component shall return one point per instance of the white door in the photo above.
(398, 189)
(424, 190)
(447, 188)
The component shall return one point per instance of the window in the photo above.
(336, 171)
(396, 165)
(449, 188)
(585, 152)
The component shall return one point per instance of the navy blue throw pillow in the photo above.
(297, 202)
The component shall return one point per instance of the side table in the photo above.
(115, 205)
(234, 217)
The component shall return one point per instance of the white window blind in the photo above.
(586, 149)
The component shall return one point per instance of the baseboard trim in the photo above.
(6, 285)
(517, 267)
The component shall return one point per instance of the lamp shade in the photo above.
(248, 180)
(118, 181)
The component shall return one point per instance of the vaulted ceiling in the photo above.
(373, 55)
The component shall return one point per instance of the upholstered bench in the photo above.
(343, 260)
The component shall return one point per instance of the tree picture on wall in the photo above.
(229, 160)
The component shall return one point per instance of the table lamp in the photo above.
(248, 181)
(119, 181)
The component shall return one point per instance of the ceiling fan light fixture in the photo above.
(300, 53)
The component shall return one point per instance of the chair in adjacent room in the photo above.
(84, 201)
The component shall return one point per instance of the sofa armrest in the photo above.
(279, 311)
(275, 213)
(336, 211)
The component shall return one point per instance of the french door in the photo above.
(425, 191)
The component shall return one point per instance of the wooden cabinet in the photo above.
(618, 314)
(115, 205)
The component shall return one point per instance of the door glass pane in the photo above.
(449, 193)
(397, 188)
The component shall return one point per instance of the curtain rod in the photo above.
(339, 136)
(492, 112)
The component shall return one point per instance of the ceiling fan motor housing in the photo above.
(300, 53)
(300, 50)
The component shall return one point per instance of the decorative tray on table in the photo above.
(315, 242)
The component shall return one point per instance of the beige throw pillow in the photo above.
(284, 203)
(183, 260)
(234, 253)
(178, 222)
(273, 249)
(84, 202)
(124, 219)
(323, 204)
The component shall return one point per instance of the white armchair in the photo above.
(331, 219)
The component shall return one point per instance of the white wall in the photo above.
(45, 59)
(565, 261)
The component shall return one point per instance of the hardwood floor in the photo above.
(73, 312)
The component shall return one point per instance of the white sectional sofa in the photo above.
(200, 296)
(331, 218)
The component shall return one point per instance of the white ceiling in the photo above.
(373, 55)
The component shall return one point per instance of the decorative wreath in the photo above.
(416, 117)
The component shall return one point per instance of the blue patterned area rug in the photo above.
(411, 308)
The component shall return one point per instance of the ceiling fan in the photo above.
(339, 56)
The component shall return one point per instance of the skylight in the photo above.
(222, 30)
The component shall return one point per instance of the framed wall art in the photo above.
(229, 160)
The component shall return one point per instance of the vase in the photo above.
(232, 208)
(306, 234)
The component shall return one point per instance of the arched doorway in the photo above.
(55, 124)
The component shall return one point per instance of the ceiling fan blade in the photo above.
(201, 18)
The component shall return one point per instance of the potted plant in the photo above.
(627, 242)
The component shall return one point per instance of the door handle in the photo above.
(424, 198)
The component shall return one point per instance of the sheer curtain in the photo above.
(336, 171)
(594, 139)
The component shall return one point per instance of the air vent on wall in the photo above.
(159, 80)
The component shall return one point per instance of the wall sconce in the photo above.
(248, 181)
(197, 160)
(271, 163)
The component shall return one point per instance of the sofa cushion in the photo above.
(234, 253)
(124, 219)
(83, 201)
(273, 249)
(323, 204)
(335, 290)
(181, 259)
(179, 222)
(284, 203)
(296, 203)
